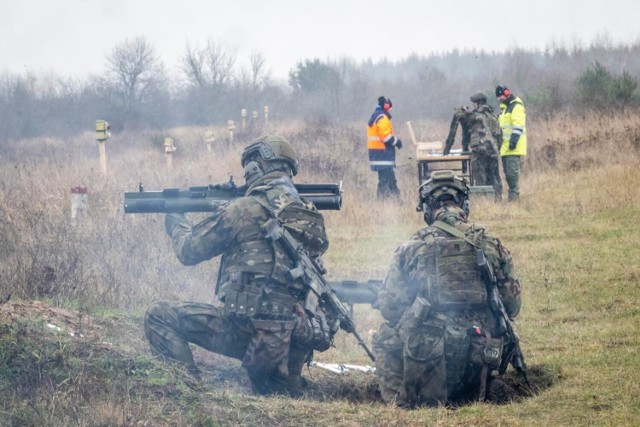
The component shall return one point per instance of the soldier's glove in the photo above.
(513, 141)
(171, 220)
(398, 143)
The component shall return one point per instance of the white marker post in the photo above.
(209, 139)
(169, 148)
(266, 114)
(231, 126)
(243, 114)
(79, 201)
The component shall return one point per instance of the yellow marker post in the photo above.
(102, 134)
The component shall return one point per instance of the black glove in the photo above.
(398, 143)
(513, 141)
(171, 220)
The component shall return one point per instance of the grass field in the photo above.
(574, 236)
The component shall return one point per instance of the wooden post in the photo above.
(102, 149)
(413, 135)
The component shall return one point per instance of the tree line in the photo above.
(207, 87)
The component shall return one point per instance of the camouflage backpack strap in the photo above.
(273, 213)
(478, 233)
(441, 225)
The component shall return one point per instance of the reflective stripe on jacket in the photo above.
(380, 140)
(513, 120)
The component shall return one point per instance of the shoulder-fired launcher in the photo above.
(354, 292)
(208, 198)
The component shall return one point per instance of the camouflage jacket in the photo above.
(235, 232)
(485, 134)
(411, 268)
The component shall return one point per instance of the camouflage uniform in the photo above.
(485, 154)
(435, 304)
(461, 116)
(262, 321)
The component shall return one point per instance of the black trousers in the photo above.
(387, 185)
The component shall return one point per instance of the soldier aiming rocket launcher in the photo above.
(323, 196)
(208, 198)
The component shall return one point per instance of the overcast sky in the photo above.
(72, 37)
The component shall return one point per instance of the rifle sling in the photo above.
(454, 232)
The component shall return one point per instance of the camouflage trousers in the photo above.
(425, 366)
(264, 346)
(486, 171)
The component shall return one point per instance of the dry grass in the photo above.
(574, 237)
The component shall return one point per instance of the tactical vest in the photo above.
(253, 277)
(454, 280)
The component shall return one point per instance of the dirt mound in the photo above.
(225, 374)
(59, 320)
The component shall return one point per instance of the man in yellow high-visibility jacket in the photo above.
(512, 121)
(382, 144)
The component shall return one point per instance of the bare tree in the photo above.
(192, 64)
(252, 81)
(211, 66)
(209, 73)
(259, 73)
(136, 72)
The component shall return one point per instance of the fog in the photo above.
(72, 37)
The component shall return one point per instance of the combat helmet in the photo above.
(479, 98)
(271, 148)
(441, 186)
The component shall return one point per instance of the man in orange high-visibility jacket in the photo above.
(382, 144)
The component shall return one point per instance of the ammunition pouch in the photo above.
(424, 346)
(259, 300)
(456, 350)
(268, 350)
(486, 350)
(242, 303)
(414, 316)
(312, 332)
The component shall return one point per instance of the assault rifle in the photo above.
(512, 353)
(311, 272)
(208, 198)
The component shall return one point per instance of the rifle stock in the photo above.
(208, 198)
